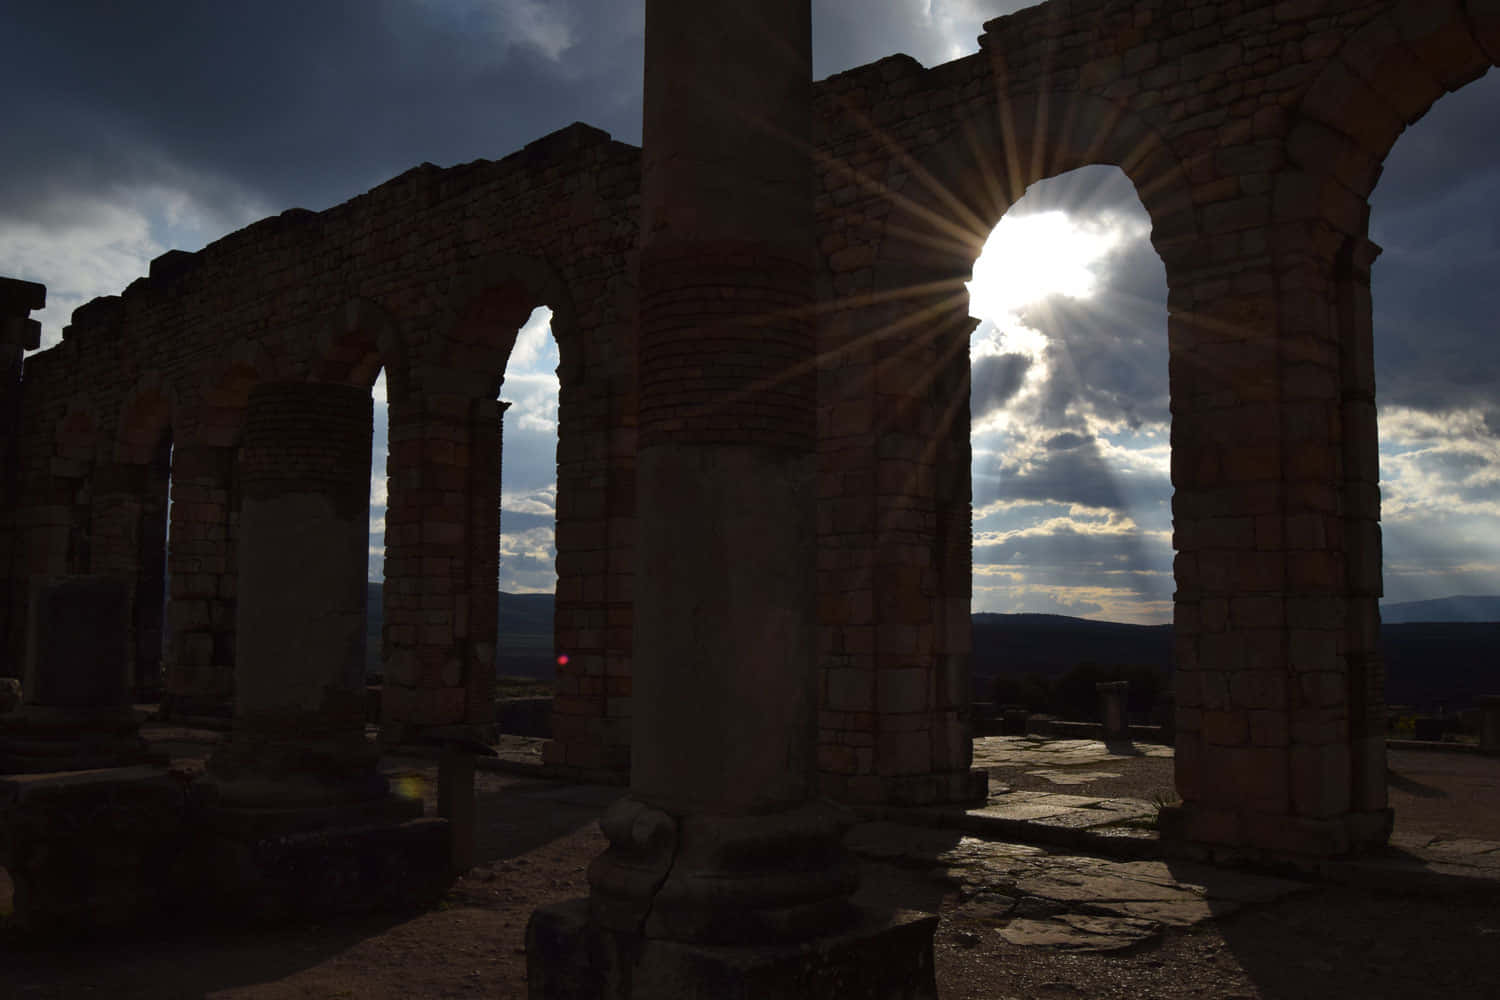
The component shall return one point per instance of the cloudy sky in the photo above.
(135, 128)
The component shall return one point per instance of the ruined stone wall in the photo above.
(1253, 133)
(429, 276)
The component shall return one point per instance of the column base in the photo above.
(42, 740)
(881, 954)
(267, 864)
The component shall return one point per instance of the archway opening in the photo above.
(153, 578)
(1070, 438)
(379, 502)
(525, 660)
(1437, 377)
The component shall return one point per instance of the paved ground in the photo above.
(1023, 915)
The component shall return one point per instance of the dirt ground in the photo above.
(536, 838)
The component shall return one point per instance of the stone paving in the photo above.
(1028, 862)
(1047, 900)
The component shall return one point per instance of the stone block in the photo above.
(1320, 780)
(76, 656)
(91, 849)
(851, 689)
(904, 689)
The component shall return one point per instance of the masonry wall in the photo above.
(1253, 133)
(428, 276)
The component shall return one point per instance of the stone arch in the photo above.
(224, 392)
(76, 436)
(897, 416)
(203, 559)
(446, 435)
(1383, 78)
(129, 528)
(493, 296)
(353, 343)
(953, 193)
(148, 412)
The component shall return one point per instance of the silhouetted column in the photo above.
(299, 712)
(721, 841)
(724, 700)
(18, 334)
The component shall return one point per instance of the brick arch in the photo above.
(149, 412)
(957, 189)
(224, 391)
(487, 306)
(895, 414)
(1384, 77)
(353, 343)
(76, 436)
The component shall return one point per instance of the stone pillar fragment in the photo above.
(1113, 709)
(77, 711)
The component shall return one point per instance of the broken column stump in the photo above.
(77, 712)
(1114, 709)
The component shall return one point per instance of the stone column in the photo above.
(721, 841)
(18, 334)
(442, 552)
(298, 736)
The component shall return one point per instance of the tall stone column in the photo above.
(721, 860)
(298, 737)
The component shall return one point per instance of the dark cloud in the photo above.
(1434, 288)
(529, 459)
(1066, 441)
(1076, 475)
(996, 380)
(289, 102)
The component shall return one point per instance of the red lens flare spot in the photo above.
(562, 660)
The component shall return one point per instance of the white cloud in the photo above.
(97, 249)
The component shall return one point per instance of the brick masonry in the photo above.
(1253, 132)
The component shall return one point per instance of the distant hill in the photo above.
(1050, 645)
(1431, 664)
(1428, 663)
(1443, 609)
(525, 633)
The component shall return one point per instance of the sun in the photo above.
(1030, 258)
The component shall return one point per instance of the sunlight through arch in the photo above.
(1069, 406)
